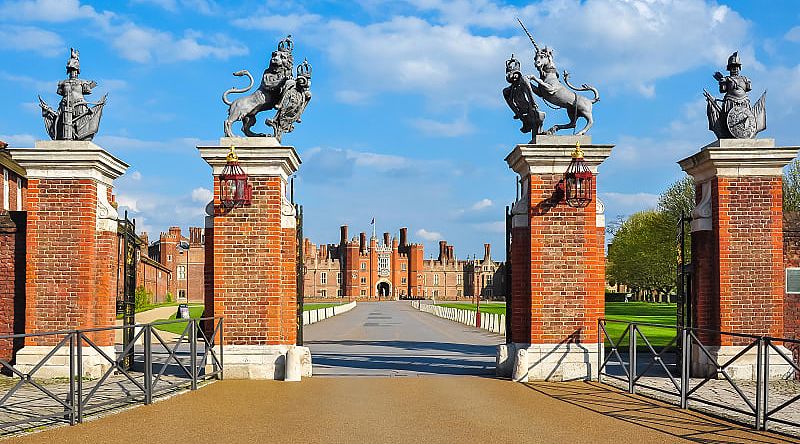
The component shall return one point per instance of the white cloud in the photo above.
(19, 140)
(456, 128)
(128, 202)
(202, 6)
(492, 227)
(136, 176)
(429, 236)
(284, 23)
(352, 97)
(202, 195)
(482, 204)
(793, 35)
(30, 39)
(53, 11)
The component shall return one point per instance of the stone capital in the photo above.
(738, 158)
(68, 159)
(552, 155)
(258, 156)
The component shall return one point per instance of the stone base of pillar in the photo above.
(547, 362)
(261, 361)
(57, 366)
(743, 368)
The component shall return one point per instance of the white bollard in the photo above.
(520, 373)
(294, 365)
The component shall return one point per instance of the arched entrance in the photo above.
(384, 290)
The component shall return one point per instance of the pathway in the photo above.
(393, 339)
(404, 410)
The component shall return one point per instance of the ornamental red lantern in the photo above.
(577, 182)
(233, 187)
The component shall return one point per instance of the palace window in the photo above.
(339, 292)
(402, 280)
(19, 194)
(323, 278)
(323, 293)
(363, 280)
(458, 293)
(363, 265)
(435, 279)
(459, 279)
(363, 292)
(489, 279)
(182, 294)
(403, 267)
(436, 293)
(339, 277)
(488, 292)
(169, 258)
(181, 272)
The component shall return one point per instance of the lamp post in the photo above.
(576, 185)
(233, 186)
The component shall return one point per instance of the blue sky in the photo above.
(407, 123)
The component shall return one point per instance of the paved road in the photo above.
(393, 339)
(430, 410)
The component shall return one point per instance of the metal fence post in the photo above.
(765, 387)
(685, 366)
(148, 364)
(632, 359)
(600, 350)
(79, 348)
(193, 351)
(221, 348)
(71, 399)
(759, 375)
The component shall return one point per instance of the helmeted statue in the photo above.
(279, 90)
(552, 91)
(732, 117)
(76, 119)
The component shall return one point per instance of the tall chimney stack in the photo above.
(442, 248)
(343, 237)
(404, 236)
(362, 242)
(487, 255)
(386, 239)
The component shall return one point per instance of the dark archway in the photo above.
(384, 290)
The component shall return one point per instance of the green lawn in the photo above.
(495, 308)
(645, 312)
(315, 306)
(195, 311)
(651, 313)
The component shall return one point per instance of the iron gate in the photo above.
(685, 307)
(129, 244)
(300, 265)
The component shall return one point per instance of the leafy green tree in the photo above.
(642, 255)
(678, 199)
(791, 187)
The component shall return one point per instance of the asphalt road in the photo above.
(393, 339)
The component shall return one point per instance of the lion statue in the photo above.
(276, 81)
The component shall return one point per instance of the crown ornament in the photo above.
(512, 64)
(304, 69)
(286, 45)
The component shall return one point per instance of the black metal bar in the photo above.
(632, 359)
(686, 353)
(79, 352)
(72, 379)
(601, 347)
(193, 352)
(148, 364)
(221, 349)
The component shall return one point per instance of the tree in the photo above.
(791, 187)
(642, 255)
(678, 199)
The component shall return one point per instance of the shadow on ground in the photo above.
(654, 415)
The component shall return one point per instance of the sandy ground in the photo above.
(435, 409)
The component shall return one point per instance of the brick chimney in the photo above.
(404, 237)
(386, 239)
(362, 242)
(487, 255)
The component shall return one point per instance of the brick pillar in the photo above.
(71, 250)
(253, 259)
(737, 247)
(558, 265)
(9, 283)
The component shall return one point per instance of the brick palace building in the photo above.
(381, 269)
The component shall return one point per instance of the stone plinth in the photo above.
(557, 259)
(71, 241)
(737, 241)
(263, 361)
(251, 259)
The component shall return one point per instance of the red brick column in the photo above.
(251, 253)
(558, 263)
(71, 246)
(8, 283)
(737, 242)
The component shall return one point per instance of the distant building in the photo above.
(390, 269)
(184, 259)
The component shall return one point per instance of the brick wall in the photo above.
(564, 260)
(251, 260)
(739, 282)
(791, 259)
(70, 264)
(12, 280)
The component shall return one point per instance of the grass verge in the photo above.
(316, 306)
(195, 311)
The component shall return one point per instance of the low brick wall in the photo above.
(495, 323)
(314, 316)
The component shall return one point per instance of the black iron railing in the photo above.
(30, 400)
(683, 364)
